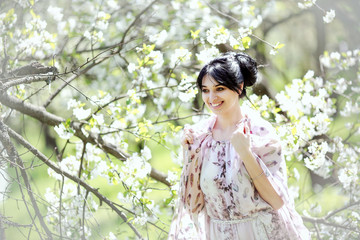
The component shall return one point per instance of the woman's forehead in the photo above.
(209, 81)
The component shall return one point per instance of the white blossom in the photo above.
(146, 153)
(325, 169)
(158, 59)
(335, 56)
(141, 219)
(81, 113)
(39, 41)
(350, 108)
(244, 32)
(207, 54)
(72, 103)
(9, 24)
(256, 22)
(179, 55)
(124, 199)
(63, 132)
(217, 35)
(111, 236)
(318, 157)
(306, 4)
(296, 174)
(348, 175)
(101, 169)
(56, 13)
(99, 118)
(273, 51)
(94, 36)
(329, 17)
(159, 38)
(341, 85)
(50, 197)
(102, 99)
(188, 95)
(294, 192)
(309, 74)
(318, 82)
(325, 61)
(131, 67)
(137, 166)
(102, 22)
(236, 43)
(113, 4)
(172, 177)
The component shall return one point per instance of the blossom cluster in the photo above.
(141, 88)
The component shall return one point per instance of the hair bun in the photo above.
(248, 68)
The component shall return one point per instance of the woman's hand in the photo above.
(188, 137)
(240, 139)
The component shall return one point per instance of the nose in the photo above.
(213, 96)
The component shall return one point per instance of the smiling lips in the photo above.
(216, 105)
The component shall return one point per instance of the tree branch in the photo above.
(43, 116)
(75, 179)
(72, 78)
(31, 110)
(10, 149)
(325, 222)
(6, 221)
(341, 209)
(134, 22)
(25, 80)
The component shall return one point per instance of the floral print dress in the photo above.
(218, 200)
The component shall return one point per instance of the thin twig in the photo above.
(237, 21)
(78, 74)
(43, 116)
(13, 154)
(341, 209)
(81, 160)
(83, 217)
(75, 179)
(60, 204)
(323, 221)
(134, 22)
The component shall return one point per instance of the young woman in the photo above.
(233, 184)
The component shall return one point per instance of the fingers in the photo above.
(188, 136)
(243, 128)
(247, 129)
(248, 122)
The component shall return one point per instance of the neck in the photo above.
(229, 120)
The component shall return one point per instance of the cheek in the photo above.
(204, 97)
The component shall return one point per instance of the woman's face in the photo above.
(220, 99)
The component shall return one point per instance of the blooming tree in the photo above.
(109, 84)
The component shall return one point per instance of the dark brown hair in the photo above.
(230, 70)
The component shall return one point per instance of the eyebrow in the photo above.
(215, 85)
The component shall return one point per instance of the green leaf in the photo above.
(246, 42)
(168, 200)
(195, 34)
(279, 45)
(33, 14)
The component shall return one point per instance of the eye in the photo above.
(204, 90)
(219, 89)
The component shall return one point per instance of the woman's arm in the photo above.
(241, 142)
(260, 180)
